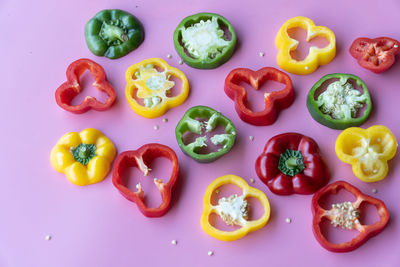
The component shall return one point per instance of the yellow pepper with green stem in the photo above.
(85, 158)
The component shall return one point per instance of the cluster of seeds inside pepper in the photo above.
(83, 153)
(114, 32)
(344, 215)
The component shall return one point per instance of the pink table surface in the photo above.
(95, 225)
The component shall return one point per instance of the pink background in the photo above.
(95, 225)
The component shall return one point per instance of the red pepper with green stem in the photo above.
(140, 158)
(291, 164)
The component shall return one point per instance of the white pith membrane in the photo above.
(204, 39)
(157, 82)
(146, 170)
(370, 151)
(344, 215)
(341, 100)
(197, 127)
(233, 210)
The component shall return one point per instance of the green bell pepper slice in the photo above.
(337, 106)
(113, 33)
(201, 42)
(190, 123)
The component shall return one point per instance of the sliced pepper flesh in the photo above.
(367, 150)
(234, 209)
(338, 105)
(140, 158)
(201, 42)
(153, 87)
(113, 33)
(274, 101)
(316, 56)
(291, 164)
(85, 158)
(190, 123)
(72, 87)
(376, 55)
(346, 215)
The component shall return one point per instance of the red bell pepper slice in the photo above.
(139, 158)
(72, 87)
(342, 216)
(376, 55)
(274, 101)
(291, 164)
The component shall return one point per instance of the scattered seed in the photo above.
(262, 54)
(395, 46)
(156, 127)
(252, 181)
(288, 220)
(165, 120)
(169, 56)
(374, 190)
(48, 237)
(210, 253)
(180, 62)
(251, 138)
(174, 242)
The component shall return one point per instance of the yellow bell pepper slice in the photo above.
(316, 56)
(226, 209)
(146, 83)
(85, 158)
(367, 150)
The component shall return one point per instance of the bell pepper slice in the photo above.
(140, 158)
(367, 150)
(85, 158)
(190, 123)
(274, 101)
(316, 56)
(153, 87)
(376, 55)
(113, 33)
(233, 210)
(291, 164)
(338, 105)
(72, 87)
(346, 215)
(201, 42)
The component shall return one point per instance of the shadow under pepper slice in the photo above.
(338, 105)
(140, 158)
(201, 42)
(346, 215)
(291, 164)
(72, 87)
(190, 123)
(376, 55)
(274, 101)
(113, 33)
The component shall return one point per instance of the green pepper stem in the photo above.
(292, 162)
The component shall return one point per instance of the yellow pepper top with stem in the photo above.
(246, 226)
(84, 157)
(367, 150)
(147, 83)
(316, 56)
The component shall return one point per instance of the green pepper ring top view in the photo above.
(205, 40)
(190, 123)
(341, 105)
(113, 33)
